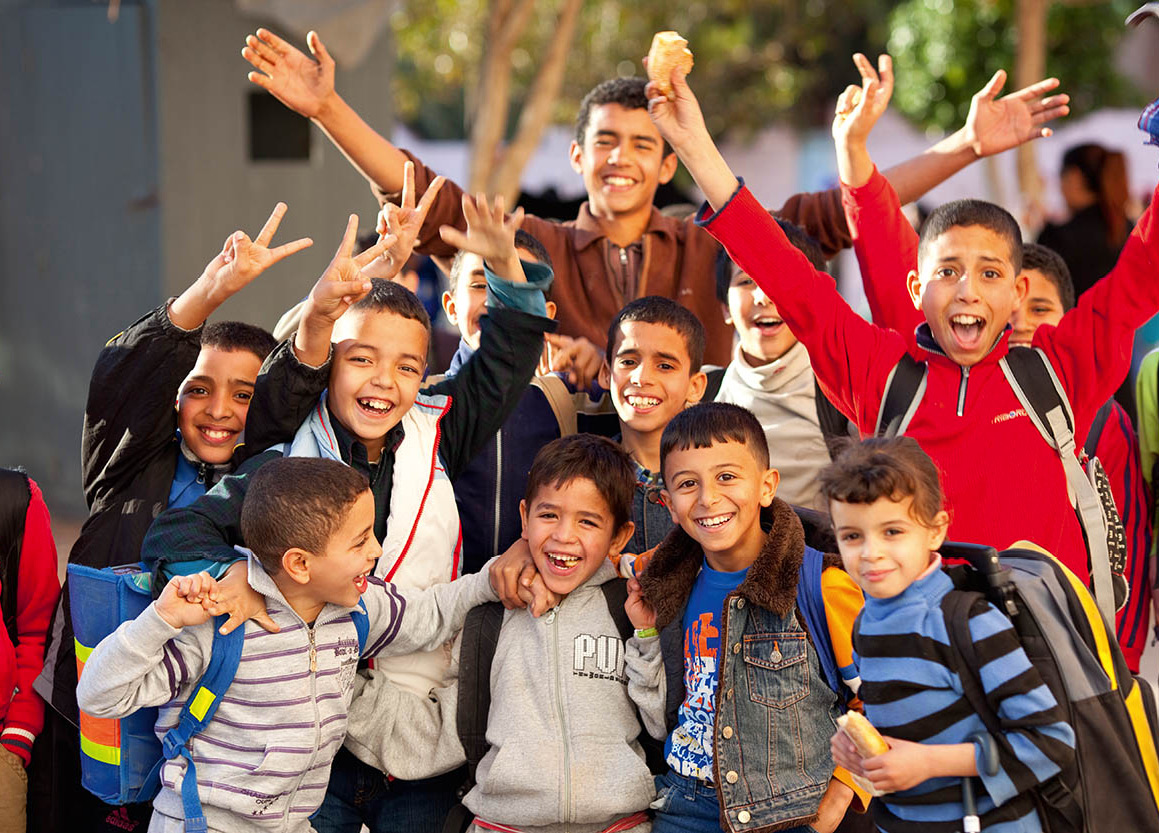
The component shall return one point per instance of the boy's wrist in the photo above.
(329, 107)
(647, 632)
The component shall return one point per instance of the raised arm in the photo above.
(405, 620)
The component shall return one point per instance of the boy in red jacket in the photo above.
(967, 285)
(28, 591)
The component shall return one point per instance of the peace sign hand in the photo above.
(241, 259)
(404, 222)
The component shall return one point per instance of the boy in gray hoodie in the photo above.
(568, 694)
(263, 761)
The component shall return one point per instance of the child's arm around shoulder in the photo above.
(150, 660)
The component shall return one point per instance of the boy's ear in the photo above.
(769, 483)
(523, 516)
(448, 300)
(668, 167)
(1021, 288)
(667, 499)
(622, 537)
(913, 283)
(575, 156)
(727, 314)
(551, 309)
(696, 387)
(296, 564)
(605, 376)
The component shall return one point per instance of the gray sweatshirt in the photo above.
(563, 724)
(263, 761)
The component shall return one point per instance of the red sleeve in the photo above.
(851, 357)
(1090, 348)
(36, 595)
(874, 214)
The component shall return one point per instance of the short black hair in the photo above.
(656, 309)
(237, 335)
(706, 424)
(390, 297)
(523, 240)
(797, 236)
(590, 456)
(297, 502)
(973, 213)
(626, 92)
(1053, 267)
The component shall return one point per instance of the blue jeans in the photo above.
(359, 793)
(684, 804)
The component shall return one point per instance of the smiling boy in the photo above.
(967, 285)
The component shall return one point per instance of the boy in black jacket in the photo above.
(140, 454)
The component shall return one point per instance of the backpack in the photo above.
(1036, 385)
(1113, 784)
(121, 758)
(15, 493)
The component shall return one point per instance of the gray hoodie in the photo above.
(263, 761)
(563, 725)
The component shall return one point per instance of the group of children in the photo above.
(459, 605)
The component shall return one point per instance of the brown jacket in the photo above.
(679, 259)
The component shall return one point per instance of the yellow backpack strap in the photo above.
(561, 400)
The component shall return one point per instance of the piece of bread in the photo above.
(668, 51)
(864, 735)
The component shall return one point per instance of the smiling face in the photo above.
(1042, 305)
(378, 364)
(764, 336)
(338, 575)
(651, 378)
(213, 401)
(466, 302)
(570, 530)
(883, 546)
(967, 290)
(621, 160)
(716, 494)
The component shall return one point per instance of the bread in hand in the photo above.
(668, 51)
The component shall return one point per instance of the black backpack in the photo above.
(480, 639)
(15, 494)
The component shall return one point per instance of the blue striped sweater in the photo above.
(911, 690)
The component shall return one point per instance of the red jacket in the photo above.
(37, 587)
(1002, 481)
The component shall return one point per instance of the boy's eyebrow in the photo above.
(672, 357)
(232, 380)
(363, 346)
(638, 137)
(550, 505)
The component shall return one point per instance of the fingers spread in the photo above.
(291, 248)
(1035, 90)
(263, 81)
(267, 233)
(408, 185)
(453, 237)
(993, 86)
(368, 255)
(233, 622)
(348, 237)
(275, 43)
(430, 194)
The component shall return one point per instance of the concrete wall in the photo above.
(124, 165)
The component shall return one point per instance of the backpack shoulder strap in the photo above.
(1037, 387)
(835, 426)
(361, 622)
(811, 602)
(561, 401)
(198, 712)
(904, 389)
(715, 377)
(1090, 447)
(615, 595)
(956, 607)
(480, 639)
(15, 494)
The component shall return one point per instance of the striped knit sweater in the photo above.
(912, 691)
(263, 762)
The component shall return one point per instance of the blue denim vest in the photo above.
(652, 518)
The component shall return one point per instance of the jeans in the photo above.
(684, 804)
(359, 794)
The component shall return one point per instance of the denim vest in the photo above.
(772, 695)
(652, 518)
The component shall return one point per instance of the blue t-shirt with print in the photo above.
(688, 749)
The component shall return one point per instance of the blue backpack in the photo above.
(121, 759)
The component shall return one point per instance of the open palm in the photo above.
(301, 83)
(998, 124)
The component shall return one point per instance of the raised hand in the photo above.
(576, 357)
(998, 124)
(303, 84)
(404, 222)
(859, 108)
(638, 609)
(490, 234)
(340, 285)
(180, 603)
(679, 119)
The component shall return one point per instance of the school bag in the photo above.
(15, 494)
(121, 758)
(1037, 387)
(1113, 784)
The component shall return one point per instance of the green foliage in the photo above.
(944, 51)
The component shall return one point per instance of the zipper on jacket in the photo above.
(498, 487)
(962, 391)
(553, 621)
(317, 719)
(201, 470)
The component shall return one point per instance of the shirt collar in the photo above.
(588, 229)
(352, 450)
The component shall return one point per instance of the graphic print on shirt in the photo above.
(690, 752)
(599, 657)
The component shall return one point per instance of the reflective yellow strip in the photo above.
(1143, 735)
(202, 702)
(1095, 620)
(100, 752)
(82, 651)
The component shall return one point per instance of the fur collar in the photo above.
(771, 582)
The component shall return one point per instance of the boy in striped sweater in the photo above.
(887, 508)
(263, 761)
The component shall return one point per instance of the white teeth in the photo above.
(768, 322)
(564, 560)
(966, 320)
(714, 521)
(375, 404)
(217, 434)
(637, 401)
(618, 180)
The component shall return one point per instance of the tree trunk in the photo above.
(1029, 67)
(536, 113)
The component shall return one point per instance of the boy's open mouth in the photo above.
(967, 330)
(641, 402)
(619, 182)
(374, 406)
(768, 325)
(562, 562)
(714, 522)
(360, 583)
(216, 436)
